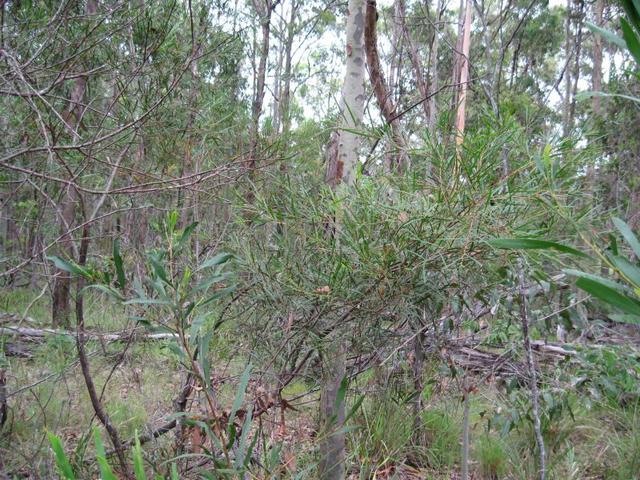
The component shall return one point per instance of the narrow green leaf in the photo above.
(108, 290)
(242, 442)
(628, 269)
(205, 341)
(159, 270)
(117, 261)
(628, 235)
(138, 463)
(342, 393)
(98, 442)
(607, 35)
(186, 234)
(625, 318)
(147, 301)
(631, 38)
(208, 282)
(68, 266)
(588, 94)
(242, 388)
(604, 281)
(101, 457)
(533, 244)
(62, 461)
(632, 8)
(216, 260)
(218, 294)
(354, 409)
(610, 296)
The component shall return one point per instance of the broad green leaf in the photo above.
(628, 235)
(610, 296)
(117, 261)
(61, 458)
(532, 244)
(607, 35)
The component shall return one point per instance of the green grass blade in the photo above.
(61, 458)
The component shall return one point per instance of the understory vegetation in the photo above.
(288, 240)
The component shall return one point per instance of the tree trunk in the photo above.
(433, 67)
(566, 101)
(597, 58)
(576, 64)
(264, 9)
(416, 61)
(60, 306)
(397, 46)
(464, 75)
(455, 77)
(398, 159)
(341, 168)
(285, 103)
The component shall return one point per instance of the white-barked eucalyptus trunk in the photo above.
(341, 173)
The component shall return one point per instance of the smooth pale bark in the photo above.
(343, 151)
(464, 75)
(398, 158)
(341, 170)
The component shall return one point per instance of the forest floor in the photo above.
(587, 438)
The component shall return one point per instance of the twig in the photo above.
(533, 380)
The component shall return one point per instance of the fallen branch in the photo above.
(34, 334)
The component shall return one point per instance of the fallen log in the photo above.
(16, 350)
(36, 334)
